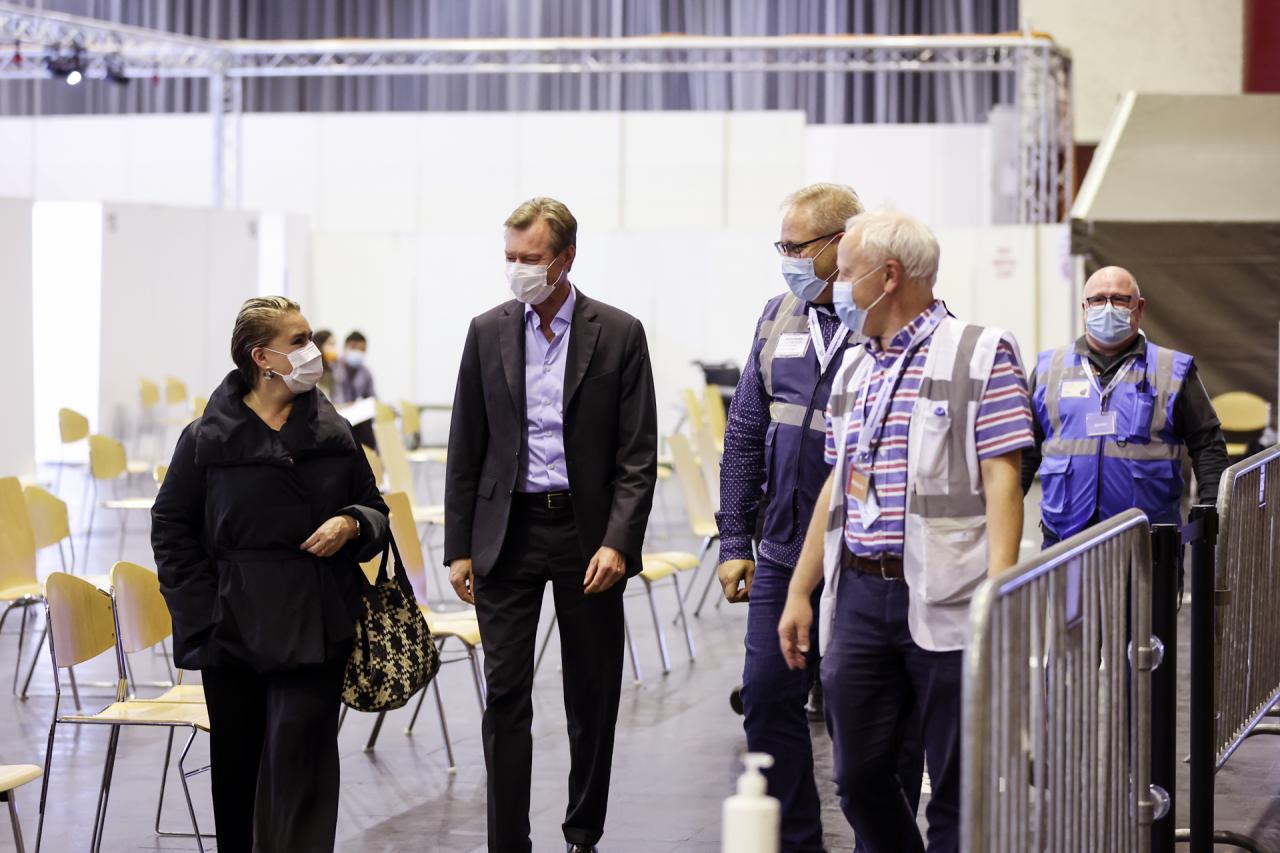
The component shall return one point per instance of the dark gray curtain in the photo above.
(826, 97)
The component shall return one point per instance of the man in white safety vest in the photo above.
(925, 428)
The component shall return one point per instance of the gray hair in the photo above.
(886, 235)
(829, 205)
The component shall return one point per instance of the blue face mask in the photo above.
(1108, 325)
(853, 317)
(800, 277)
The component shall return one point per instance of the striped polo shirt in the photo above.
(1004, 425)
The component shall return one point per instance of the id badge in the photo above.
(792, 346)
(1075, 388)
(1099, 424)
(858, 485)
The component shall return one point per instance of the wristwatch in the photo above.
(353, 517)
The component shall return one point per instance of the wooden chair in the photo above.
(73, 428)
(19, 585)
(50, 523)
(108, 463)
(12, 777)
(1244, 417)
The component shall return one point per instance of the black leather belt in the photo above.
(544, 500)
(883, 566)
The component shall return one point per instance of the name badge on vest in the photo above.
(791, 346)
(1075, 388)
(1098, 424)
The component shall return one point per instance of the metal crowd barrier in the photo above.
(1057, 714)
(1247, 676)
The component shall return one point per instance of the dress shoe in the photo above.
(580, 848)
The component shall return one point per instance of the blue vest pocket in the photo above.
(1054, 472)
(1141, 409)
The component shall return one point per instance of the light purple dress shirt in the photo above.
(544, 363)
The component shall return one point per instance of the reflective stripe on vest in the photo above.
(786, 322)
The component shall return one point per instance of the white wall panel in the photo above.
(168, 160)
(764, 162)
(281, 163)
(674, 170)
(471, 177)
(17, 158)
(82, 158)
(1058, 305)
(17, 429)
(231, 277)
(574, 157)
(369, 163)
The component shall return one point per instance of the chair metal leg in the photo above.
(478, 675)
(417, 709)
(124, 529)
(373, 735)
(71, 546)
(12, 799)
(444, 726)
(688, 634)
(164, 777)
(712, 578)
(44, 635)
(88, 530)
(657, 627)
(75, 688)
(62, 555)
(22, 636)
(631, 647)
(702, 553)
(186, 790)
(104, 795)
(546, 641)
(44, 782)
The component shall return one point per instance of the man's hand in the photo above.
(331, 536)
(606, 568)
(460, 577)
(793, 631)
(734, 572)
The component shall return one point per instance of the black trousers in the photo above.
(273, 745)
(542, 546)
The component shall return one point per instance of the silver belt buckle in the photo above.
(548, 496)
(884, 576)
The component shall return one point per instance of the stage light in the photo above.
(68, 66)
(74, 78)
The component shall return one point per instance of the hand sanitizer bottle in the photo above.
(751, 818)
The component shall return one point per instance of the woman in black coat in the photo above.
(268, 508)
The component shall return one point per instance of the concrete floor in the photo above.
(676, 758)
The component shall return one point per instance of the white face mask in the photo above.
(307, 365)
(528, 282)
(353, 357)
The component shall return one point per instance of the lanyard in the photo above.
(873, 423)
(825, 352)
(1092, 372)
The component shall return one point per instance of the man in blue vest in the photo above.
(772, 470)
(1115, 415)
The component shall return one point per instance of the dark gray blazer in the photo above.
(610, 433)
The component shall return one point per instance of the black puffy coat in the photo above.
(238, 501)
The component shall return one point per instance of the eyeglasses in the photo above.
(1114, 301)
(793, 250)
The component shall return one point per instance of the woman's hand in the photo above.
(331, 536)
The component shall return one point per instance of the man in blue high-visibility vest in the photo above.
(1115, 416)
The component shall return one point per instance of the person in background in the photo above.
(352, 379)
(925, 427)
(553, 460)
(323, 338)
(1145, 405)
(259, 529)
(770, 476)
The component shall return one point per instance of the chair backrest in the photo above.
(198, 405)
(692, 409)
(72, 425)
(406, 534)
(17, 539)
(107, 459)
(709, 457)
(375, 464)
(713, 407)
(148, 393)
(394, 457)
(410, 419)
(50, 523)
(697, 502)
(382, 413)
(81, 625)
(1240, 411)
(142, 617)
(175, 391)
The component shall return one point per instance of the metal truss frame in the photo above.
(1041, 69)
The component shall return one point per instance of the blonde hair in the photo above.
(886, 235)
(564, 228)
(256, 324)
(829, 205)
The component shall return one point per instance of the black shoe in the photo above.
(580, 848)
(735, 700)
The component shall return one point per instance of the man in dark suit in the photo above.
(551, 471)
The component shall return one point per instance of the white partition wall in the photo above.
(17, 429)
